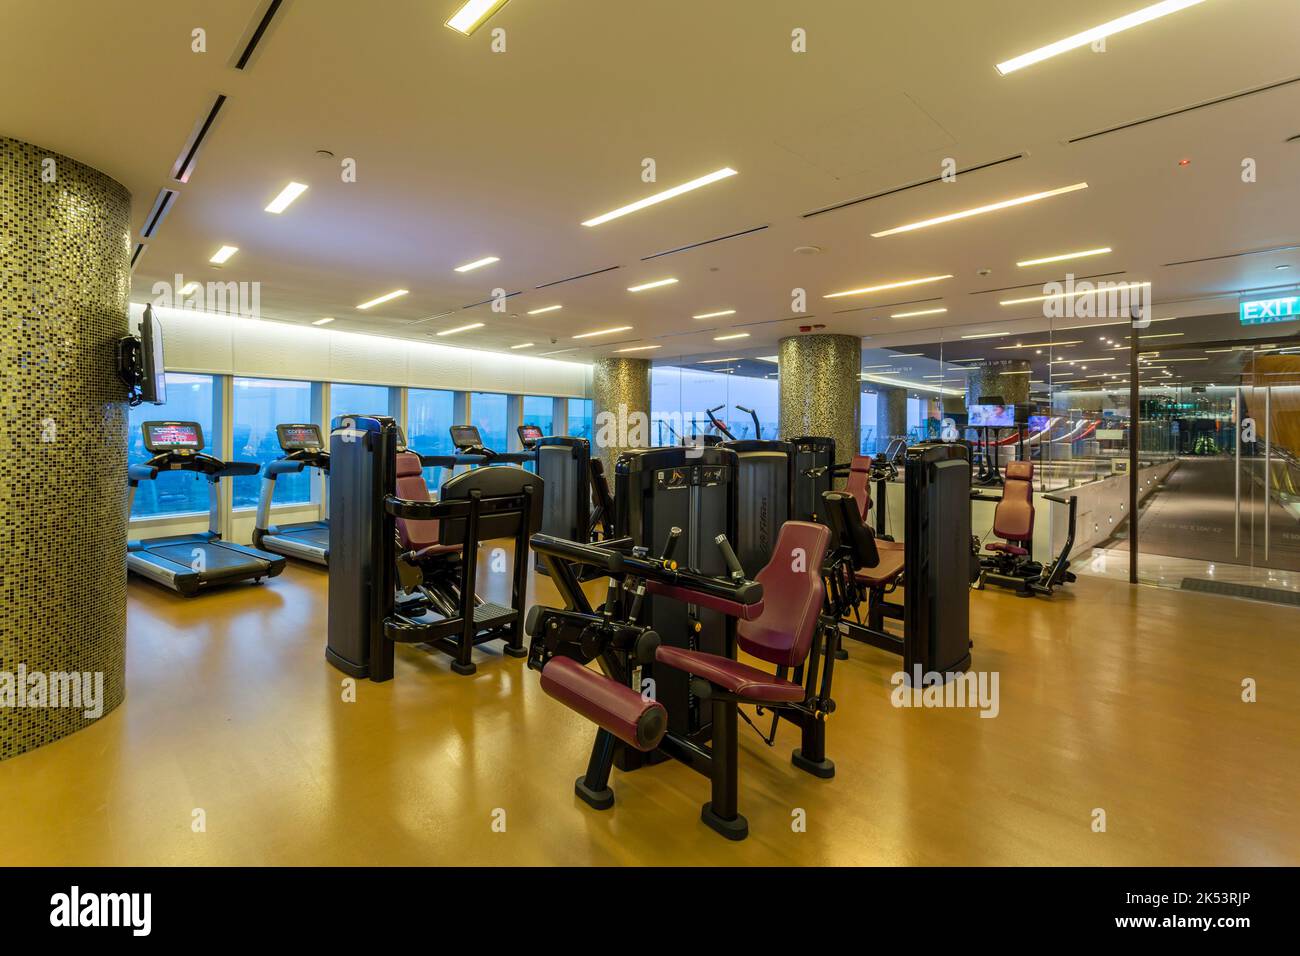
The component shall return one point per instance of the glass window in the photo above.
(580, 418)
(258, 405)
(346, 399)
(488, 411)
(430, 415)
(539, 411)
(190, 398)
(867, 424)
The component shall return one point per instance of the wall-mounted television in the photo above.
(991, 416)
(140, 362)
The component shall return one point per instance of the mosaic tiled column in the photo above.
(819, 384)
(620, 403)
(64, 280)
(891, 415)
(1008, 378)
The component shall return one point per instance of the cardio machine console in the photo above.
(185, 438)
(529, 435)
(299, 437)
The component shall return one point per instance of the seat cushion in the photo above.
(744, 681)
(886, 572)
(435, 551)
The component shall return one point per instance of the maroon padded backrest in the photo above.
(413, 535)
(859, 483)
(1013, 519)
(792, 599)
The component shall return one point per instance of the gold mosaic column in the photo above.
(621, 402)
(819, 385)
(1005, 377)
(891, 415)
(64, 279)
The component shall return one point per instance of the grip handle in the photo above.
(728, 555)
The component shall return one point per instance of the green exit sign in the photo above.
(1265, 311)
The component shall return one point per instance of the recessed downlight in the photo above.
(462, 328)
(980, 210)
(912, 315)
(1088, 37)
(387, 297)
(725, 173)
(223, 254)
(657, 284)
(473, 15)
(591, 335)
(287, 195)
(887, 285)
(478, 264)
(1064, 257)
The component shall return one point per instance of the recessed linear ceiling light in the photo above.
(715, 315)
(1073, 361)
(1088, 37)
(639, 348)
(473, 14)
(887, 285)
(775, 360)
(1064, 256)
(325, 321)
(462, 328)
(1160, 335)
(549, 308)
(396, 294)
(912, 315)
(908, 354)
(734, 358)
(618, 328)
(1025, 372)
(1118, 287)
(733, 335)
(190, 288)
(980, 210)
(651, 285)
(724, 173)
(478, 264)
(987, 335)
(223, 254)
(522, 345)
(1041, 345)
(287, 195)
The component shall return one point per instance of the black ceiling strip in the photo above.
(185, 165)
(139, 248)
(706, 242)
(916, 185)
(585, 275)
(1234, 255)
(161, 206)
(673, 335)
(793, 318)
(887, 305)
(258, 33)
(1186, 109)
(475, 305)
(1039, 285)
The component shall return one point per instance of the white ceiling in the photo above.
(462, 153)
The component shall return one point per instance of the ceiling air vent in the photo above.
(585, 275)
(258, 34)
(184, 165)
(706, 242)
(161, 206)
(916, 185)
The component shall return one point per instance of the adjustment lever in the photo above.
(728, 555)
(667, 557)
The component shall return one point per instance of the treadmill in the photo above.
(188, 563)
(305, 540)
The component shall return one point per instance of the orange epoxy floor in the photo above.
(1112, 697)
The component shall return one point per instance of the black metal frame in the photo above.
(1020, 572)
(613, 638)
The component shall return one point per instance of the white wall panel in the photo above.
(279, 350)
(433, 366)
(370, 359)
(193, 341)
(496, 373)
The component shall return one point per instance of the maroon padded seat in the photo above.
(419, 537)
(859, 483)
(1013, 519)
(792, 601)
(887, 569)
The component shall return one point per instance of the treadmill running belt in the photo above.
(215, 557)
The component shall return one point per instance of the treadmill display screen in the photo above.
(466, 436)
(991, 416)
(529, 434)
(299, 437)
(169, 436)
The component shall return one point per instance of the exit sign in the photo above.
(1264, 311)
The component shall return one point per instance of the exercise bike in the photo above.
(1010, 562)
